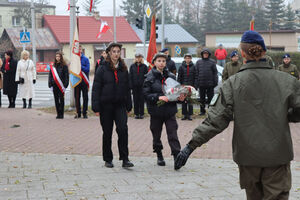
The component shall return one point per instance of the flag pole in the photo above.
(115, 25)
(72, 28)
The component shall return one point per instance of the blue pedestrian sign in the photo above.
(24, 37)
(178, 49)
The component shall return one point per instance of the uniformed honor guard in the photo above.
(288, 67)
(231, 67)
(262, 143)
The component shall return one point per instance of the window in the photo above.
(0, 21)
(16, 21)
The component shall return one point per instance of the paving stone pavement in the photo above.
(36, 176)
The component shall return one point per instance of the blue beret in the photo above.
(164, 50)
(234, 53)
(253, 37)
(286, 55)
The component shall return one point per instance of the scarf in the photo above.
(7, 64)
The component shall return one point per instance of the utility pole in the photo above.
(115, 25)
(270, 34)
(145, 27)
(72, 28)
(163, 25)
(33, 32)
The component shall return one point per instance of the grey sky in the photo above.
(105, 7)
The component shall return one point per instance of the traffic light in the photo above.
(139, 23)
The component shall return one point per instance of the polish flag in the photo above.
(68, 4)
(91, 5)
(103, 28)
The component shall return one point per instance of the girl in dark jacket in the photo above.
(186, 76)
(59, 80)
(137, 73)
(164, 114)
(10, 87)
(111, 100)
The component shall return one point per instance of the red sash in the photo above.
(85, 79)
(57, 80)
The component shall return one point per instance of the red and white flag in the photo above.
(91, 5)
(68, 4)
(103, 28)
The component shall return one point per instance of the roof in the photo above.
(89, 28)
(6, 3)
(241, 32)
(44, 38)
(174, 33)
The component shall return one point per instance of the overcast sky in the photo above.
(105, 7)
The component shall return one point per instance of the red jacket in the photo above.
(221, 54)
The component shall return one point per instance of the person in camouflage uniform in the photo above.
(270, 62)
(288, 67)
(231, 67)
(262, 144)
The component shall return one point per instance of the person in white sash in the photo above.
(26, 76)
(58, 80)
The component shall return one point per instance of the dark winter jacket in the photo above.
(171, 65)
(99, 62)
(153, 90)
(137, 75)
(186, 75)
(10, 87)
(206, 72)
(108, 89)
(63, 74)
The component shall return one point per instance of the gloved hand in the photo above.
(18, 82)
(34, 81)
(183, 156)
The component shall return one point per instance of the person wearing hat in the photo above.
(186, 76)
(137, 73)
(111, 100)
(10, 86)
(262, 143)
(82, 87)
(288, 67)
(231, 67)
(101, 61)
(163, 114)
(221, 55)
(170, 63)
(206, 78)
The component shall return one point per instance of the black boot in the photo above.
(126, 163)
(202, 110)
(24, 103)
(160, 159)
(30, 103)
(109, 164)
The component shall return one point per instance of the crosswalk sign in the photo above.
(24, 37)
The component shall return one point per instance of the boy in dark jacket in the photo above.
(186, 76)
(164, 114)
(137, 73)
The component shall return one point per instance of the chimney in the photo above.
(96, 15)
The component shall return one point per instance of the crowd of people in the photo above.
(260, 98)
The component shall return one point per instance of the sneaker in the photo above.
(184, 118)
(127, 163)
(85, 116)
(136, 117)
(189, 118)
(141, 116)
(109, 164)
(77, 116)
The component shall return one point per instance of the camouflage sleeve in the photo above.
(219, 115)
(225, 73)
(296, 73)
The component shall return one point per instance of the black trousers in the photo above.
(138, 100)
(187, 109)
(81, 88)
(109, 114)
(59, 101)
(203, 92)
(11, 100)
(156, 124)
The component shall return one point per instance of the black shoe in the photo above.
(109, 164)
(160, 159)
(184, 118)
(24, 103)
(59, 117)
(77, 116)
(30, 104)
(202, 113)
(127, 163)
(141, 116)
(85, 116)
(189, 118)
(136, 117)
